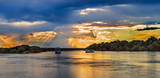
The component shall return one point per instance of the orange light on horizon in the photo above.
(89, 34)
(11, 40)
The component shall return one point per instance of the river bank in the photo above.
(26, 49)
(151, 44)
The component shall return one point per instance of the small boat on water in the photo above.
(57, 51)
(90, 51)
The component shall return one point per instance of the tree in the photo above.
(151, 40)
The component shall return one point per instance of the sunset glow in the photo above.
(39, 37)
(35, 38)
(98, 33)
(8, 41)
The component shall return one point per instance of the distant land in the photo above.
(26, 49)
(151, 44)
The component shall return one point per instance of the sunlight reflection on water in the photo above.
(78, 64)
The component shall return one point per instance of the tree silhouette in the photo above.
(151, 44)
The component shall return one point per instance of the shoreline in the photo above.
(151, 44)
(26, 49)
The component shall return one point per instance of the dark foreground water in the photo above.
(78, 64)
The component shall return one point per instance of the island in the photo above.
(151, 44)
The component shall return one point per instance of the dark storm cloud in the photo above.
(138, 13)
(54, 10)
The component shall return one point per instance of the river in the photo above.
(78, 64)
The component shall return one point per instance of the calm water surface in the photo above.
(78, 64)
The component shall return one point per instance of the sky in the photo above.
(18, 18)
(73, 11)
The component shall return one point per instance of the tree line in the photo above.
(151, 44)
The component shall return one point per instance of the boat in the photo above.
(57, 51)
(90, 51)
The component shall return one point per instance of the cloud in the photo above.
(25, 26)
(43, 10)
(87, 10)
(117, 13)
(33, 38)
(122, 5)
(45, 15)
(57, 11)
(23, 23)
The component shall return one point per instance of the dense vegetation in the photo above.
(152, 44)
(23, 49)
